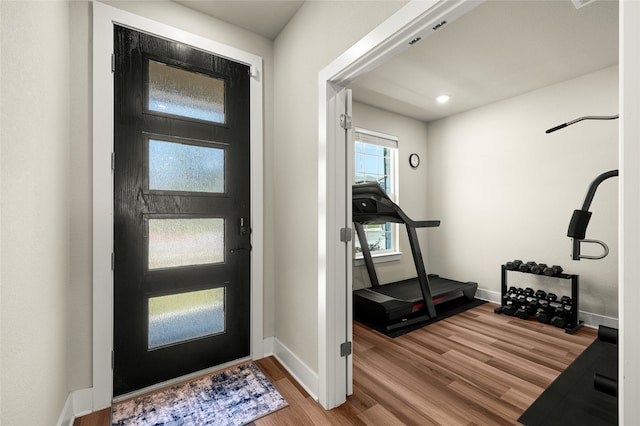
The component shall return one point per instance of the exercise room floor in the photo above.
(474, 368)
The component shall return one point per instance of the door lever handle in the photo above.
(241, 248)
(244, 229)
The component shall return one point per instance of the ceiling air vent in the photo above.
(580, 3)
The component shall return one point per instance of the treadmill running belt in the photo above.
(409, 290)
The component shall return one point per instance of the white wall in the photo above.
(316, 35)
(504, 189)
(79, 292)
(412, 136)
(35, 210)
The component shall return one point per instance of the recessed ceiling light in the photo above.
(443, 99)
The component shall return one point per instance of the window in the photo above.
(376, 161)
(185, 93)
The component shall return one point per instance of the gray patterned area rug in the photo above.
(236, 396)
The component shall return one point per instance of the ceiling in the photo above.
(500, 49)
(264, 17)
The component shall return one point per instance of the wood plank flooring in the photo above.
(476, 368)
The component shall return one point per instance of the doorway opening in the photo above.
(341, 74)
(334, 267)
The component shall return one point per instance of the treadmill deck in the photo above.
(397, 302)
(409, 290)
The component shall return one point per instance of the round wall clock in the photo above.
(414, 160)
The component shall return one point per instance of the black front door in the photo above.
(182, 236)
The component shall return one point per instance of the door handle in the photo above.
(241, 248)
(244, 229)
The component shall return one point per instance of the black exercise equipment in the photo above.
(608, 334)
(572, 399)
(580, 221)
(510, 303)
(538, 269)
(586, 392)
(587, 117)
(514, 266)
(602, 382)
(527, 267)
(403, 303)
(545, 312)
(605, 384)
(552, 271)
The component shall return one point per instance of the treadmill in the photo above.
(402, 303)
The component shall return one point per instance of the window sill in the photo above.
(379, 258)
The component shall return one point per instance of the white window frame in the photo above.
(392, 142)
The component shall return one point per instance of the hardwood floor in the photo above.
(476, 368)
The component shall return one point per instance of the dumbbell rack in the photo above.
(575, 324)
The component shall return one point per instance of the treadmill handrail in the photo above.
(367, 199)
(372, 191)
(426, 223)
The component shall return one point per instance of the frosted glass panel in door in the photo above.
(185, 242)
(182, 167)
(185, 93)
(185, 316)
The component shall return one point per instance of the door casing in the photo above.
(103, 115)
(392, 37)
(417, 18)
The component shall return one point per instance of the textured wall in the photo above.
(34, 209)
(317, 34)
(504, 189)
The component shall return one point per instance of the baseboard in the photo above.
(305, 376)
(78, 403)
(594, 320)
(488, 295)
(590, 319)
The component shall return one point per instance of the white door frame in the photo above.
(103, 121)
(629, 212)
(417, 19)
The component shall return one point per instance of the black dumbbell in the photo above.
(509, 295)
(538, 269)
(510, 308)
(514, 266)
(559, 321)
(526, 267)
(562, 311)
(528, 303)
(553, 270)
(524, 312)
(543, 315)
(567, 306)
